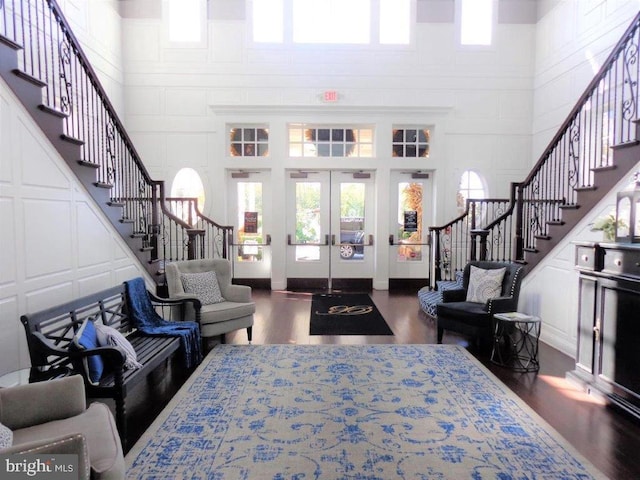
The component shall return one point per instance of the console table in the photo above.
(608, 337)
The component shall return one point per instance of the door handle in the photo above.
(369, 242)
(393, 242)
(308, 244)
(266, 243)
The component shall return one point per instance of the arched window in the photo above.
(471, 185)
(186, 184)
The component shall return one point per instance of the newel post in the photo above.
(518, 247)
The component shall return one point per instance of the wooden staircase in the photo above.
(44, 65)
(592, 151)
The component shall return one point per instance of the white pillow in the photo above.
(110, 337)
(6, 436)
(204, 286)
(484, 284)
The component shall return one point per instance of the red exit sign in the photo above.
(330, 96)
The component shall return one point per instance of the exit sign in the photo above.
(330, 96)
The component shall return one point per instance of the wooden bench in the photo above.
(51, 331)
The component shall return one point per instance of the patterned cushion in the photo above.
(6, 437)
(484, 284)
(204, 286)
(429, 300)
(110, 337)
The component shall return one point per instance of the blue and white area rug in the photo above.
(350, 412)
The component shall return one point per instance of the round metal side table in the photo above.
(515, 341)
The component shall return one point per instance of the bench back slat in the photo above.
(59, 324)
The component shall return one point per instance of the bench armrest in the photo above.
(35, 403)
(185, 306)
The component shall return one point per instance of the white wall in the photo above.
(55, 244)
(479, 102)
(572, 40)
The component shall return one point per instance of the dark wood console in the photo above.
(608, 342)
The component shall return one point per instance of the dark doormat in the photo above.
(346, 314)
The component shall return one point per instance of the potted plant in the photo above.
(608, 225)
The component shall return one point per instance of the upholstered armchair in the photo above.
(469, 310)
(225, 307)
(52, 417)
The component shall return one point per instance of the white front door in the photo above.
(410, 216)
(330, 222)
(251, 246)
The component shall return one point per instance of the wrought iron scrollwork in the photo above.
(574, 153)
(629, 105)
(111, 148)
(65, 55)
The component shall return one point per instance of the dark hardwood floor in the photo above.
(604, 435)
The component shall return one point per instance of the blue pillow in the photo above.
(86, 338)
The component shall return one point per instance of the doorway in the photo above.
(330, 223)
(410, 216)
(251, 245)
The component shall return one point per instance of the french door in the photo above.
(251, 245)
(330, 222)
(410, 216)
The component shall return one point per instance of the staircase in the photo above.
(44, 65)
(594, 149)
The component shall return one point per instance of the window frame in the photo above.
(374, 30)
(179, 44)
(458, 26)
(329, 142)
(256, 142)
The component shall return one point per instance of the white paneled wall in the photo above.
(55, 244)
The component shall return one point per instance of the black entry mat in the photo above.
(346, 314)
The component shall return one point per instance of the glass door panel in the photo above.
(330, 226)
(251, 245)
(308, 224)
(409, 249)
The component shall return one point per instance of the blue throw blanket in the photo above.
(149, 322)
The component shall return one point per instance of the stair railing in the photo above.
(604, 118)
(452, 245)
(51, 57)
(217, 235)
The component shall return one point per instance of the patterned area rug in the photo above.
(352, 412)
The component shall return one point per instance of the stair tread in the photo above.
(29, 78)
(70, 139)
(53, 111)
(10, 43)
(103, 185)
(630, 143)
(86, 163)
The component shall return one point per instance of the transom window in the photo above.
(332, 21)
(330, 141)
(411, 142)
(248, 142)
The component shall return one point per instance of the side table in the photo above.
(515, 341)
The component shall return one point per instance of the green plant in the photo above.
(608, 225)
